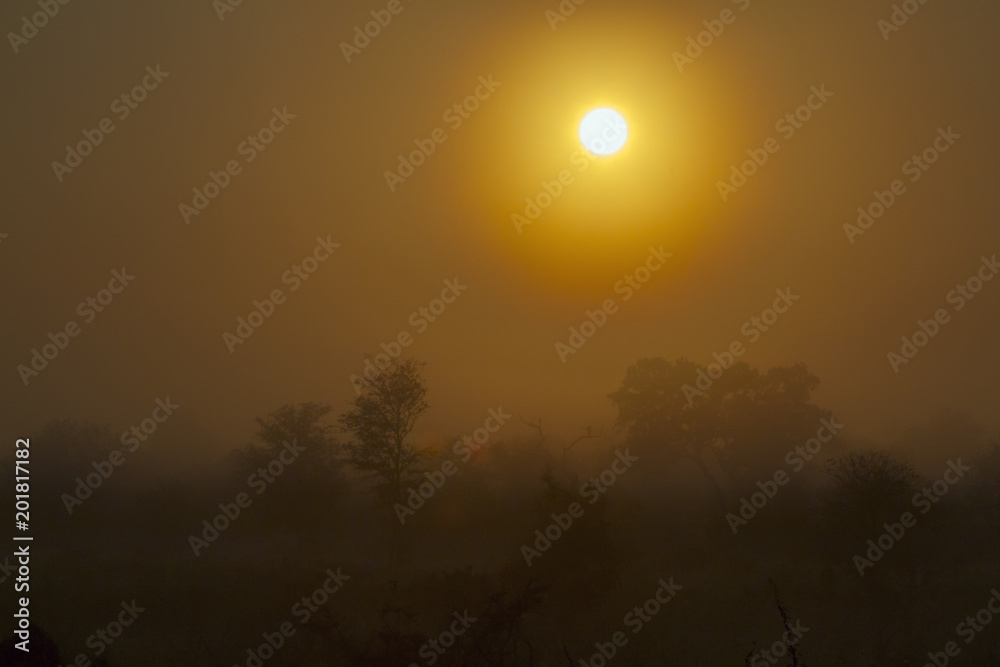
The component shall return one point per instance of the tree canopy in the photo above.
(381, 419)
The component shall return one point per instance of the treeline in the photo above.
(757, 507)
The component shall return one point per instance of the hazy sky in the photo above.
(323, 176)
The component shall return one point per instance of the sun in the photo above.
(603, 131)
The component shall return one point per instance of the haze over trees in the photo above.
(738, 427)
(693, 457)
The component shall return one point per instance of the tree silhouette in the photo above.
(303, 423)
(313, 479)
(765, 415)
(870, 486)
(659, 417)
(741, 420)
(381, 418)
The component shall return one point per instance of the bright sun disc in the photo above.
(603, 131)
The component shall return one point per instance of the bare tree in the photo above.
(586, 436)
(537, 425)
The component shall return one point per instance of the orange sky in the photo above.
(323, 176)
